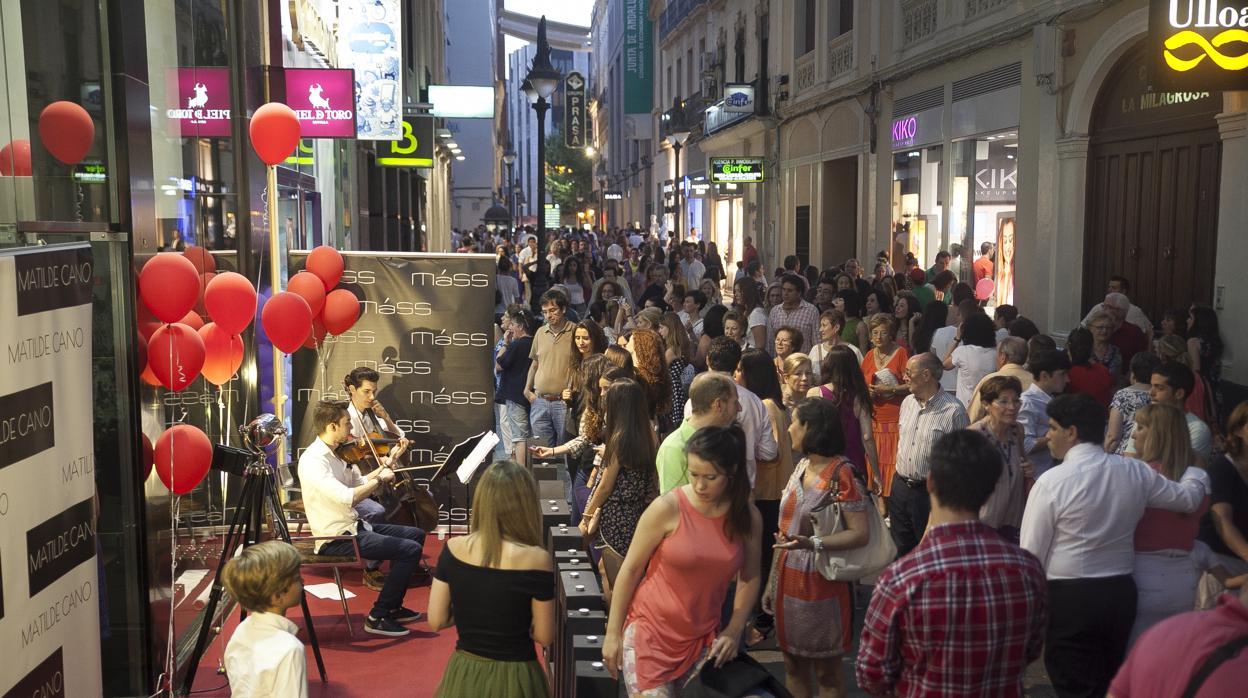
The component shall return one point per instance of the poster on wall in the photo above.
(427, 327)
(370, 41)
(49, 581)
(1005, 258)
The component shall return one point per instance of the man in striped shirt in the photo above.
(927, 413)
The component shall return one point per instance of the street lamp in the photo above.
(509, 159)
(540, 84)
(677, 134)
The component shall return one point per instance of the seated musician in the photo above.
(331, 488)
(368, 416)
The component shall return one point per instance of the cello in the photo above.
(406, 502)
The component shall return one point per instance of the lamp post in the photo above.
(677, 134)
(509, 159)
(540, 84)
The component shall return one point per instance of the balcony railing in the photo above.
(840, 55)
(805, 72)
(918, 21)
(717, 117)
(675, 13)
(976, 8)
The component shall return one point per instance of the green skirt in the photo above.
(469, 675)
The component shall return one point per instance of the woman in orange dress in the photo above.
(884, 370)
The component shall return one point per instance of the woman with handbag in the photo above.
(814, 615)
(627, 479)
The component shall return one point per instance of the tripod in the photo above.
(259, 490)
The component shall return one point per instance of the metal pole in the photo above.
(541, 106)
(676, 185)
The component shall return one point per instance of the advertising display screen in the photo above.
(199, 102)
(323, 100)
(462, 101)
(736, 170)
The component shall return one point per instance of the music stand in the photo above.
(461, 453)
(259, 490)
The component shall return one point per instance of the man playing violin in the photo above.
(331, 490)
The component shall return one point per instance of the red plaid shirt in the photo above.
(962, 615)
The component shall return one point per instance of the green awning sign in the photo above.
(737, 170)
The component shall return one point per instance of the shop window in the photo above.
(983, 199)
(917, 204)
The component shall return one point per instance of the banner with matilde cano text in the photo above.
(427, 327)
(49, 586)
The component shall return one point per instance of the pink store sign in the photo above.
(199, 102)
(323, 100)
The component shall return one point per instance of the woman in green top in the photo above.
(855, 330)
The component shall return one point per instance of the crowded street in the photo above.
(604, 348)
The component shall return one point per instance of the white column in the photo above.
(1062, 242)
(1230, 295)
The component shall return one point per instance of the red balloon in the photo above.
(223, 354)
(274, 132)
(203, 286)
(287, 320)
(201, 258)
(984, 288)
(169, 286)
(316, 336)
(341, 311)
(15, 159)
(67, 131)
(148, 456)
(192, 320)
(230, 300)
(183, 455)
(147, 376)
(176, 355)
(309, 287)
(140, 352)
(327, 264)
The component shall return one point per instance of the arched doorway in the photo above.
(1153, 174)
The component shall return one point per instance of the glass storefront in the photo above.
(983, 198)
(917, 203)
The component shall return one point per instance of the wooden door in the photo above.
(1152, 215)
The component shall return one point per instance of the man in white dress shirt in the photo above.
(1080, 522)
(331, 488)
(265, 658)
(760, 443)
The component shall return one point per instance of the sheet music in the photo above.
(478, 455)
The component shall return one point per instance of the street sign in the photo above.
(574, 110)
(1199, 44)
(737, 170)
(612, 195)
(552, 215)
(414, 149)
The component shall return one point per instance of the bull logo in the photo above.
(315, 98)
(200, 98)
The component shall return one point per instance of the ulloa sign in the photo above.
(1200, 44)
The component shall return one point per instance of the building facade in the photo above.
(472, 59)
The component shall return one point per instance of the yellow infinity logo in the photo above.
(1188, 37)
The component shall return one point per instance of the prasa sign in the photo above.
(1199, 44)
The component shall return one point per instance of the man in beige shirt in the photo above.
(551, 371)
(1011, 355)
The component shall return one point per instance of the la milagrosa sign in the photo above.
(1200, 44)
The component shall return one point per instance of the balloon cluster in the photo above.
(65, 129)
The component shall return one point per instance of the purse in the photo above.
(857, 563)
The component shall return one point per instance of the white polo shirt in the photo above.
(265, 659)
(327, 483)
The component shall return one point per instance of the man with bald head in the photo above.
(927, 414)
(1011, 355)
(1129, 339)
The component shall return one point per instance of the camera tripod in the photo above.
(259, 490)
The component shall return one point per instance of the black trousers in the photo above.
(1089, 624)
(908, 509)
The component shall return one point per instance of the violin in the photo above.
(406, 503)
(359, 454)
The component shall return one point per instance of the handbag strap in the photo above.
(1215, 659)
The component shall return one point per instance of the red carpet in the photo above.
(366, 665)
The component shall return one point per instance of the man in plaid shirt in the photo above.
(964, 613)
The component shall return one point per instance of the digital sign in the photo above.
(323, 100)
(199, 102)
(1199, 44)
(462, 101)
(737, 170)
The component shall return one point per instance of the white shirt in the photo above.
(1033, 415)
(1081, 515)
(942, 341)
(696, 325)
(634, 240)
(361, 425)
(527, 256)
(264, 659)
(921, 425)
(691, 273)
(817, 355)
(327, 483)
(1135, 316)
(615, 252)
(1202, 438)
(760, 442)
(972, 363)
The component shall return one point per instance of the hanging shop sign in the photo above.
(739, 170)
(414, 149)
(323, 100)
(462, 101)
(739, 97)
(1199, 44)
(199, 102)
(369, 40)
(612, 195)
(304, 154)
(638, 57)
(574, 110)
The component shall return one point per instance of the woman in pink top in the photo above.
(690, 544)
(1165, 573)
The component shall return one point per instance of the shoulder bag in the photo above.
(856, 563)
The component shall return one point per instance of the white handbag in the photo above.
(857, 563)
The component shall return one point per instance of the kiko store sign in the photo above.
(1199, 44)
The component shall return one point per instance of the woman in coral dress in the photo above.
(884, 370)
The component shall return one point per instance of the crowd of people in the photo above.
(1074, 496)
